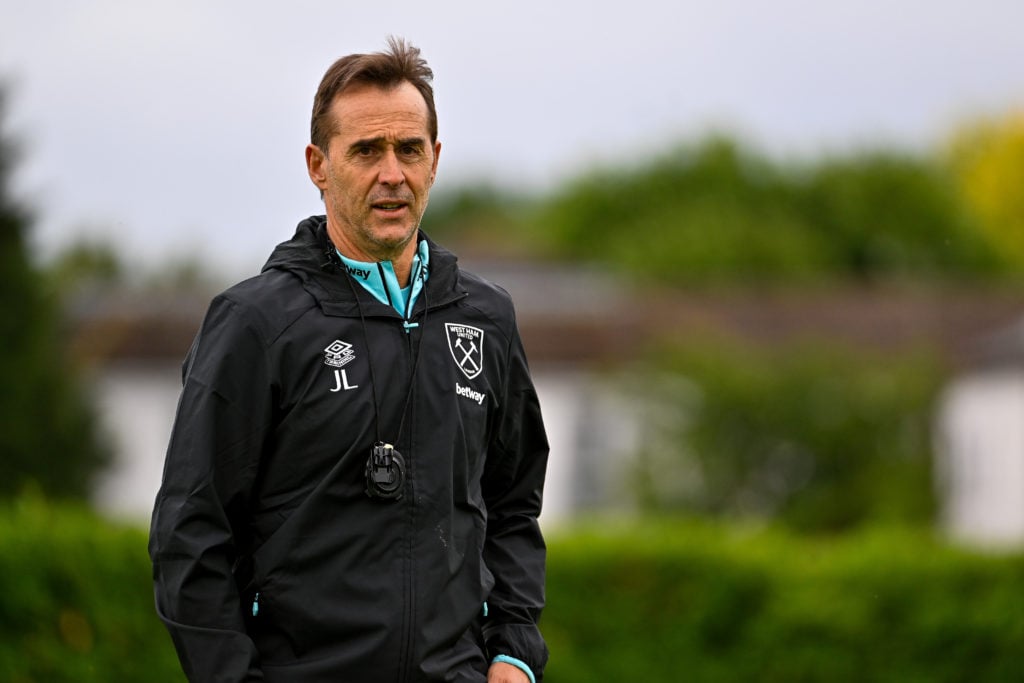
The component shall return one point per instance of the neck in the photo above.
(403, 266)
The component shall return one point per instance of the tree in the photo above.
(49, 437)
(711, 212)
(987, 159)
(717, 212)
(886, 213)
(818, 438)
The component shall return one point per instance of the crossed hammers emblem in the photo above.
(468, 358)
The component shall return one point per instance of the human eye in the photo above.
(410, 149)
(362, 149)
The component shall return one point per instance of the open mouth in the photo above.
(389, 206)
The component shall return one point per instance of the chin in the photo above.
(397, 234)
(393, 239)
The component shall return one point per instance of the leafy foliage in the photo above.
(76, 600)
(987, 159)
(710, 213)
(819, 438)
(478, 217)
(716, 212)
(700, 602)
(86, 264)
(48, 434)
(888, 214)
(626, 602)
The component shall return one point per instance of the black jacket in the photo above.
(270, 560)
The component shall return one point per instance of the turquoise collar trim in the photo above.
(379, 279)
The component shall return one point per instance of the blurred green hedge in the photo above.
(670, 601)
(696, 602)
(76, 600)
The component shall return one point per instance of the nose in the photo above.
(390, 172)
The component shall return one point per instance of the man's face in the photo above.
(377, 172)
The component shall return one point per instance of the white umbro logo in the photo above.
(338, 354)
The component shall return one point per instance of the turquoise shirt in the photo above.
(379, 279)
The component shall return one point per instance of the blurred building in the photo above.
(584, 333)
(980, 444)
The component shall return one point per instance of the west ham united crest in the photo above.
(467, 346)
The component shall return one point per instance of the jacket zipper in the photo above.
(406, 672)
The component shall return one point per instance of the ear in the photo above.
(433, 168)
(316, 162)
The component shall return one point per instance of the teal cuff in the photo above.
(516, 663)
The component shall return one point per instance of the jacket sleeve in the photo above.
(514, 550)
(197, 529)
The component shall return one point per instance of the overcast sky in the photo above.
(179, 126)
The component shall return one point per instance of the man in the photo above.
(354, 476)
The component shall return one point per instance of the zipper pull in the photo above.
(256, 604)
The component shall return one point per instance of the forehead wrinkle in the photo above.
(371, 118)
(379, 132)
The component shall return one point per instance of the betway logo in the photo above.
(359, 272)
(469, 393)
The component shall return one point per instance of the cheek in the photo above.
(424, 180)
(347, 186)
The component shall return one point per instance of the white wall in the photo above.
(558, 394)
(136, 402)
(981, 459)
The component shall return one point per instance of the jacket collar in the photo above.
(310, 256)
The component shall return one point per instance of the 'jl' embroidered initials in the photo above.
(341, 382)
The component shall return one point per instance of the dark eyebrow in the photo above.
(415, 142)
(380, 140)
(370, 142)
